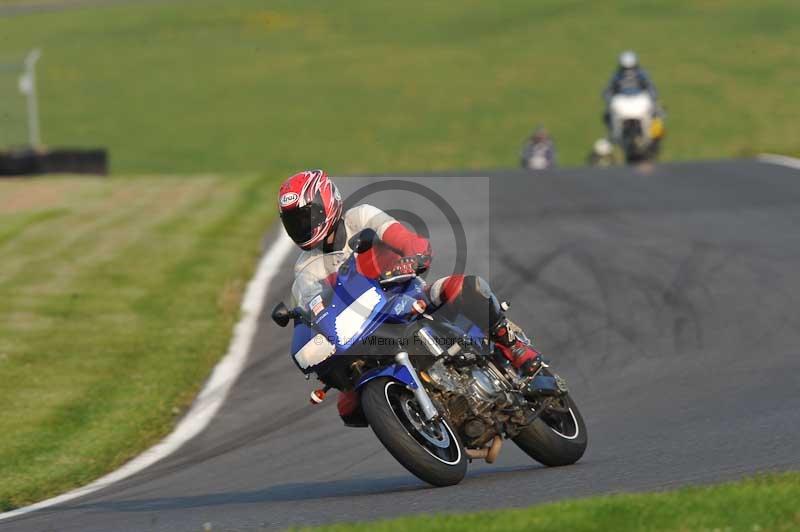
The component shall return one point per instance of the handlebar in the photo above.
(396, 278)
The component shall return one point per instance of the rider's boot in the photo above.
(509, 339)
(475, 299)
(349, 406)
(515, 346)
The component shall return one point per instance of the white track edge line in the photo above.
(214, 392)
(783, 160)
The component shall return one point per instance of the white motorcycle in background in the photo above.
(636, 125)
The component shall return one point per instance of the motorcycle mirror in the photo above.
(281, 314)
(362, 241)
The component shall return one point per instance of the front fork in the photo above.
(422, 397)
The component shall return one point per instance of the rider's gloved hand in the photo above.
(416, 245)
(423, 261)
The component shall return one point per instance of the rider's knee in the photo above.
(447, 289)
(476, 292)
(457, 286)
(478, 285)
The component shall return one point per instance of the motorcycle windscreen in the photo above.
(353, 312)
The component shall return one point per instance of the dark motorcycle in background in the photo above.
(433, 390)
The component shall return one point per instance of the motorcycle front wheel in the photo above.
(557, 437)
(431, 450)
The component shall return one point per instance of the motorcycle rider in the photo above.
(602, 153)
(629, 76)
(311, 208)
(539, 152)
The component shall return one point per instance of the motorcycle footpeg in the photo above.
(561, 383)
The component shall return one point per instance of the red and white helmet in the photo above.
(310, 206)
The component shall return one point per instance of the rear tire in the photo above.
(435, 455)
(555, 440)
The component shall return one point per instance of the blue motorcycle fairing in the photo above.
(350, 284)
(303, 334)
(402, 300)
(353, 310)
(397, 372)
(354, 307)
(476, 335)
(343, 321)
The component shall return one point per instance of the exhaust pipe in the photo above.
(487, 453)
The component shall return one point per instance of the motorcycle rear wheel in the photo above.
(432, 451)
(555, 439)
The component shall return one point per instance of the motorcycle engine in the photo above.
(484, 385)
(472, 396)
(476, 384)
(476, 397)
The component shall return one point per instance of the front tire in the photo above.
(555, 439)
(431, 451)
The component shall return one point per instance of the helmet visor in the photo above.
(300, 223)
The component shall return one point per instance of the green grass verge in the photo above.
(117, 296)
(387, 86)
(768, 502)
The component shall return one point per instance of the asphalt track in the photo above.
(668, 297)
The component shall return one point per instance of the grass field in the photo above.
(116, 298)
(385, 86)
(765, 503)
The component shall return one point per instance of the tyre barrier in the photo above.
(21, 162)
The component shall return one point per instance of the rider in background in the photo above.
(539, 152)
(628, 77)
(602, 153)
(311, 211)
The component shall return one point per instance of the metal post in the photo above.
(28, 87)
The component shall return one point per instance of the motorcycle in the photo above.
(433, 390)
(636, 125)
(539, 152)
(539, 157)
